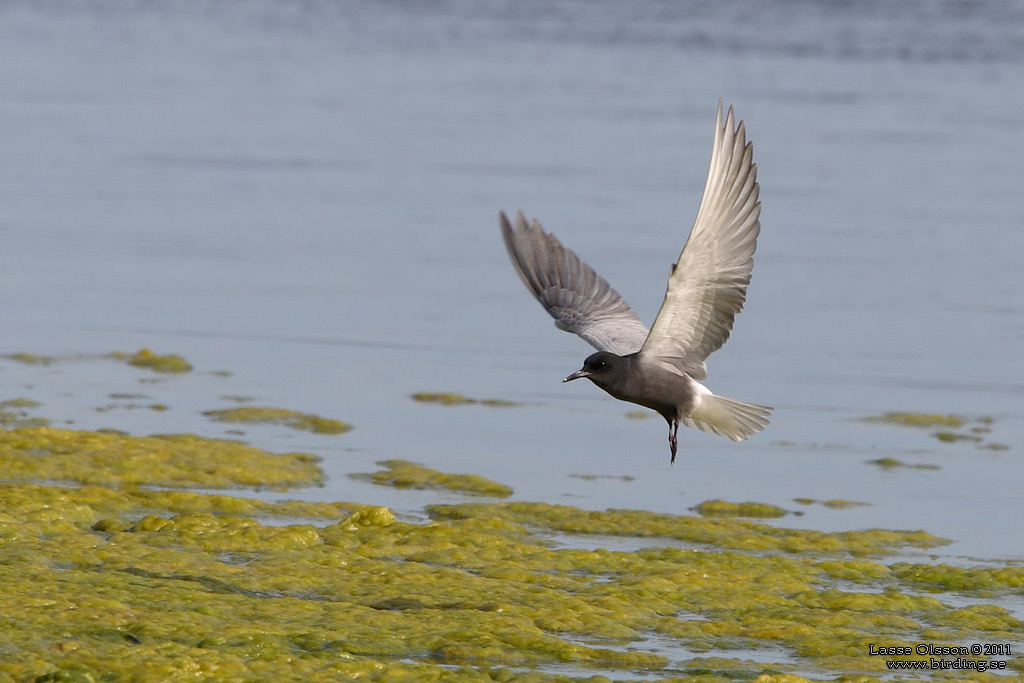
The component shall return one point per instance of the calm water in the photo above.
(306, 194)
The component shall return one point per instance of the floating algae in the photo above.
(894, 463)
(120, 582)
(735, 534)
(186, 460)
(409, 475)
(144, 358)
(286, 418)
(949, 437)
(918, 420)
(835, 503)
(14, 414)
(973, 435)
(31, 359)
(971, 580)
(721, 508)
(104, 584)
(132, 502)
(451, 399)
(841, 504)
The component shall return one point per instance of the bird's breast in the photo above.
(669, 393)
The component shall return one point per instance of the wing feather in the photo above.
(708, 285)
(580, 300)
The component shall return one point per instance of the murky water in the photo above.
(306, 194)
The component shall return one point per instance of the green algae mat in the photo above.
(118, 582)
(117, 563)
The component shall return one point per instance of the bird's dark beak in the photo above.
(576, 375)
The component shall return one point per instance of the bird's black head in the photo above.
(596, 366)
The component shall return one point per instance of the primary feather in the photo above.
(708, 285)
(580, 300)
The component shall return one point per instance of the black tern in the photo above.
(660, 368)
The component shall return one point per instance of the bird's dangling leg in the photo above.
(673, 428)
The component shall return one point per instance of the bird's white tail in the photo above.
(726, 417)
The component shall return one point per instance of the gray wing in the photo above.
(580, 300)
(708, 286)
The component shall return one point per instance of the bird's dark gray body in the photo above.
(660, 368)
(630, 378)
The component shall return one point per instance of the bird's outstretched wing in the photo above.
(708, 285)
(580, 300)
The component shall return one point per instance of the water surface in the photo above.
(306, 195)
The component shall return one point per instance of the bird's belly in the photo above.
(673, 399)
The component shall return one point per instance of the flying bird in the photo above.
(661, 368)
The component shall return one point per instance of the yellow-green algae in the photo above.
(733, 534)
(31, 359)
(452, 399)
(918, 419)
(144, 358)
(101, 584)
(972, 580)
(721, 508)
(286, 418)
(123, 583)
(835, 503)
(14, 414)
(953, 436)
(945, 435)
(895, 463)
(409, 475)
(841, 504)
(183, 460)
(129, 502)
